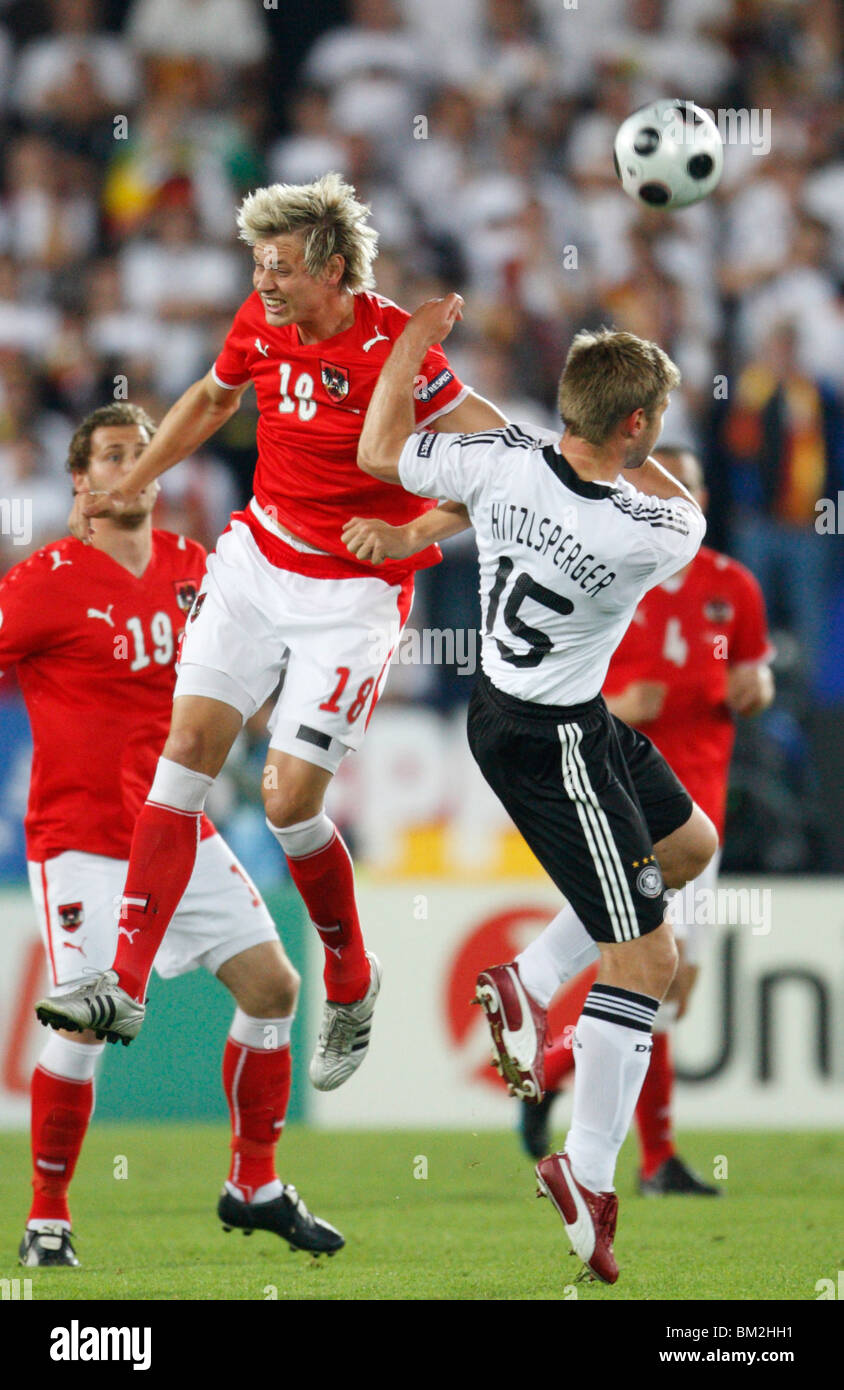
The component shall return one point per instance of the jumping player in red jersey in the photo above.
(695, 656)
(282, 595)
(93, 631)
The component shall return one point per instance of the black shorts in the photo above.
(590, 795)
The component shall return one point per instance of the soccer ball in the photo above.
(669, 154)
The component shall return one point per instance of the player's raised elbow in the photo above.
(378, 460)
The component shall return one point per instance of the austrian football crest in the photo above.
(196, 607)
(71, 916)
(185, 593)
(335, 380)
(718, 610)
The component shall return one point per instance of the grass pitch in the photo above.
(470, 1229)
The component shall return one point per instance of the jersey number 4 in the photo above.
(539, 643)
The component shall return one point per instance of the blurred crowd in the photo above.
(481, 133)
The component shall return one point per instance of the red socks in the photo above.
(61, 1110)
(325, 878)
(653, 1112)
(257, 1086)
(162, 859)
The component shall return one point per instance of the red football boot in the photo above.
(589, 1217)
(517, 1024)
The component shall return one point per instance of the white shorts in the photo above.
(77, 902)
(329, 639)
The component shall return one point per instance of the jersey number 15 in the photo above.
(539, 643)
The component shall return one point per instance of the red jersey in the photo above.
(687, 636)
(95, 650)
(312, 400)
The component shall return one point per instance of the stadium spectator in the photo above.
(115, 244)
(785, 438)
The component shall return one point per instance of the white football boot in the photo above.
(100, 1004)
(344, 1036)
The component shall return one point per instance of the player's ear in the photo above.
(633, 424)
(334, 268)
(80, 481)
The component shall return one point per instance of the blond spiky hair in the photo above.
(334, 223)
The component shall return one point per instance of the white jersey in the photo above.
(564, 562)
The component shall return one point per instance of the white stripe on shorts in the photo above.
(599, 838)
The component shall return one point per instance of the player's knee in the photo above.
(191, 747)
(285, 991)
(290, 805)
(274, 993)
(663, 964)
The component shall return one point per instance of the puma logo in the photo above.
(57, 559)
(264, 351)
(379, 338)
(124, 931)
(106, 617)
(335, 950)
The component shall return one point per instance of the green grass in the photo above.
(471, 1230)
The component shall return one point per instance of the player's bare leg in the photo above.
(62, 1096)
(256, 1080)
(662, 1171)
(161, 862)
(685, 853)
(321, 867)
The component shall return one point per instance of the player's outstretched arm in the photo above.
(651, 478)
(376, 541)
(194, 417)
(390, 419)
(473, 415)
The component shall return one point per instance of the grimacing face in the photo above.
(113, 452)
(288, 292)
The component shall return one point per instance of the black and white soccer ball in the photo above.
(669, 154)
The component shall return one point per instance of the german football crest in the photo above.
(335, 380)
(71, 916)
(185, 593)
(196, 607)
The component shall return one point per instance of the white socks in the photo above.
(178, 787)
(612, 1052)
(561, 951)
(76, 1061)
(306, 837)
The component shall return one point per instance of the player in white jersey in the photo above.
(567, 546)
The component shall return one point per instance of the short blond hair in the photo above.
(329, 215)
(607, 376)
